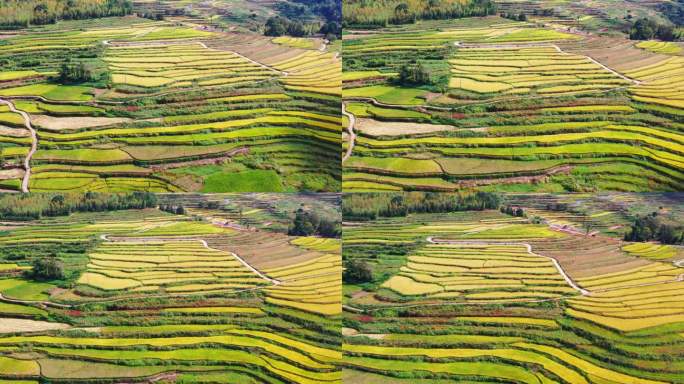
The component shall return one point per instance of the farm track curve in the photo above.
(34, 144)
(350, 131)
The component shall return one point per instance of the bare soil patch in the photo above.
(25, 325)
(384, 128)
(66, 123)
(14, 173)
(13, 132)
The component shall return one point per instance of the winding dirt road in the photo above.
(350, 131)
(34, 144)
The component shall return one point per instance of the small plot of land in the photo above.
(664, 47)
(25, 325)
(75, 123)
(381, 128)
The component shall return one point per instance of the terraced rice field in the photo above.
(511, 107)
(453, 270)
(157, 296)
(479, 307)
(181, 109)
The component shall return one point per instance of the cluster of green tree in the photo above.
(412, 75)
(329, 10)
(548, 12)
(357, 272)
(209, 204)
(308, 11)
(513, 211)
(673, 10)
(648, 29)
(512, 16)
(176, 210)
(48, 268)
(310, 223)
(279, 26)
(332, 30)
(369, 206)
(558, 207)
(651, 227)
(35, 206)
(75, 72)
(22, 13)
(380, 13)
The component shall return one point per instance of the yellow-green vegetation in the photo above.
(664, 47)
(296, 42)
(651, 251)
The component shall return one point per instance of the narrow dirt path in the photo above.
(350, 131)
(555, 262)
(34, 144)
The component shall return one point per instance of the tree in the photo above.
(57, 200)
(303, 224)
(75, 72)
(650, 227)
(309, 223)
(275, 26)
(296, 29)
(414, 75)
(332, 30)
(648, 29)
(47, 268)
(357, 272)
